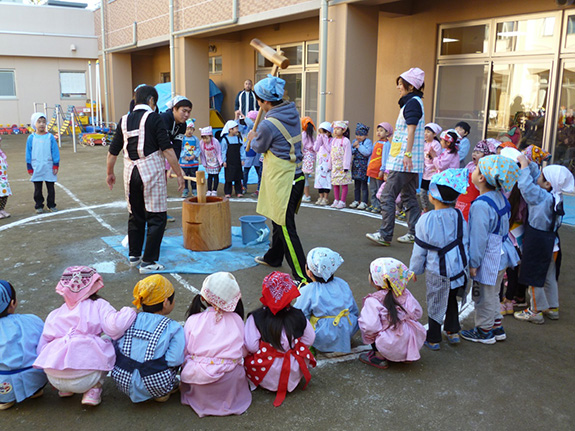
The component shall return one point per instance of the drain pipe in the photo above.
(104, 62)
(191, 31)
(323, 21)
(172, 49)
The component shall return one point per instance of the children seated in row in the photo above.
(149, 354)
(19, 338)
(211, 157)
(328, 303)
(276, 333)
(361, 151)
(440, 251)
(389, 317)
(233, 157)
(71, 351)
(376, 165)
(190, 157)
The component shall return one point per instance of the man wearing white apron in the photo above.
(144, 140)
(279, 138)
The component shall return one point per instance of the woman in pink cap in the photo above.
(405, 161)
(71, 351)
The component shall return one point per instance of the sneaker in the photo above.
(227, 196)
(400, 216)
(6, 406)
(376, 237)
(167, 396)
(340, 205)
(319, 201)
(406, 239)
(261, 261)
(376, 210)
(306, 199)
(62, 394)
(552, 313)
(361, 206)
(453, 337)
(324, 202)
(507, 307)
(185, 193)
(92, 397)
(478, 335)
(135, 261)
(369, 358)
(255, 194)
(432, 346)
(53, 210)
(39, 210)
(147, 268)
(369, 208)
(240, 195)
(171, 219)
(334, 204)
(354, 204)
(530, 316)
(4, 214)
(499, 333)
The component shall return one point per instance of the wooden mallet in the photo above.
(279, 62)
(200, 181)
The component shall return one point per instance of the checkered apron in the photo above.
(399, 143)
(157, 384)
(152, 169)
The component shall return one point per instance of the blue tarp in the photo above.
(165, 94)
(216, 96)
(177, 259)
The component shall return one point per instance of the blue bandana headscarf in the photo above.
(499, 171)
(5, 295)
(456, 179)
(270, 88)
(361, 129)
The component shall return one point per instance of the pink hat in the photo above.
(206, 131)
(78, 283)
(415, 76)
(252, 115)
(434, 127)
(388, 127)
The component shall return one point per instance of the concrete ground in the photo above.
(525, 382)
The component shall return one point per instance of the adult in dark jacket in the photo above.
(245, 99)
(179, 110)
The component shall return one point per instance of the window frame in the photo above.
(70, 96)
(212, 65)
(15, 95)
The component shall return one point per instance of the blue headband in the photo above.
(270, 88)
(5, 295)
(456, 179)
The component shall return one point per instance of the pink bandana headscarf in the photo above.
(221, 291)
(78, 283)
(388, 268)
(341, 124)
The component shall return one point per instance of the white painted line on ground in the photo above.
(184, 283)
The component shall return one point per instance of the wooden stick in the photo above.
(274, 56)
(201, 185)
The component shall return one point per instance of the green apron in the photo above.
(277, 179)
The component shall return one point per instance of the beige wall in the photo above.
(120, 85)
(148, 65)
(411, 41)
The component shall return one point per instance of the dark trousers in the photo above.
(237, 184)
(190, 172)
(405, 183)
(360, 191)
(3, 201)
(514, 288)
(213, 182)
(139, 218)
(285, 240)
(39, 197)
(247, 172)
(451, 323)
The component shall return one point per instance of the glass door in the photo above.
(564, 149)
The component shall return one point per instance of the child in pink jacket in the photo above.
(449, 157)
(71, 350)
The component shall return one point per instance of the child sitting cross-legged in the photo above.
(152, 349)
(276, 333)
(328, 302)
(19, 337)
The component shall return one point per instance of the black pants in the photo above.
(323, 190)
(360, 191)
(3, 201)
(213, 182)
(247, 173)
(451, 323)
(190, 172)
(139, 218)
(514, 288)
(237, 187)
(39, 197)
(285, 240)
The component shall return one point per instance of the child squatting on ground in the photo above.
(42, 162)
(540, 261)
(19, 337)
(278, 337)
(440, 250)
(328, 302)
(389, 317)
(491, 251)
(151, 351)
(71, 351)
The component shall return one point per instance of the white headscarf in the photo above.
(171, 103)
(323, 262)
(230, 124)
(35, 116)
(561, 179)
(221, 291)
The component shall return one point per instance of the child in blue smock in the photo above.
(328, 302)
(245, 124)
(42, 161)
(19, 337)
(440, 250)
(490, 248)
(361, 149)
(540, 261)
(190, 156)
(151, 351)
(233, 155)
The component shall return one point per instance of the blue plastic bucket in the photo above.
(253, 227)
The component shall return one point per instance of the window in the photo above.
(165, 77)
(465, 40)
(7, 83)
(73, 84)
(525, 35)
(216, 64)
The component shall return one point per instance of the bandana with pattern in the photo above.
(392, 270)
(499, 171)
(456, 179)
(323, 262)
(486, 146)
(78, 283)
(270, 88)
(221, 291)
(152, 290)
(536, 154)
(278, 291)
(5, 295)
(340, 124)
(361, 129)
